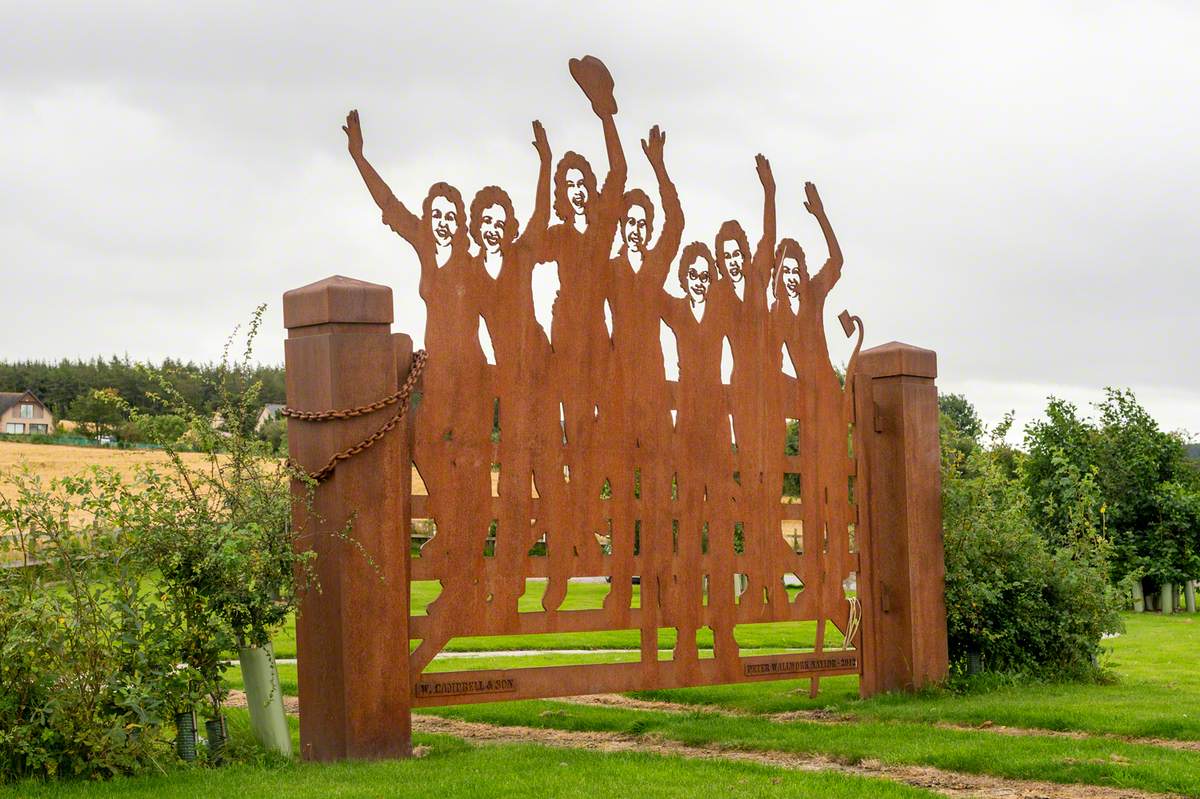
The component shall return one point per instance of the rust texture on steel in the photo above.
(602, 462)
(403, 396)
(706, 501)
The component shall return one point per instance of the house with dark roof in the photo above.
(269, 412)
(23, 413)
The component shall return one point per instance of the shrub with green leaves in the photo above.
(1012, 597)
(1171, 553)
(153, 429)
(89, 665)
(132, 592)
(220, 531)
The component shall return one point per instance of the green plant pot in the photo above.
(185, 735)
(215, 730)
(264, 699)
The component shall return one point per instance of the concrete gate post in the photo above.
(902, 559)
(352, 634)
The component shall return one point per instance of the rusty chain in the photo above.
(403, 396)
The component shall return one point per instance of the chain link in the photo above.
(402, 396)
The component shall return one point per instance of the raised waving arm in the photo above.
(395, 215)
(535, 229)
(593, 77)
(667, 245)
(832, 270)
(618, 170)
(765, 253)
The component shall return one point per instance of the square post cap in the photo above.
(896, 359)
(337, 300)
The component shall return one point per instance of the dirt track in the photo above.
(947, 783)
(826, 717)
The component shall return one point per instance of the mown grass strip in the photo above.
(454, 768)
(1156, 693)
(1056, 759)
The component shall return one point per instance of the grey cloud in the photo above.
(1013, 185)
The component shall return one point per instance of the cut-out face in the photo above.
(491, 227)
(633, 228)
(443, 216)
(698, 276)
(733, 258)
(792, 275)
(577, 192)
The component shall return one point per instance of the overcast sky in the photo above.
(1014, 185)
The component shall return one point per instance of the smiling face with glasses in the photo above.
(696, 280)
(696, 272)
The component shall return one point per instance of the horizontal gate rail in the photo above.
(545, 682)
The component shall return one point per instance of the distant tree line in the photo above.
(67, 386)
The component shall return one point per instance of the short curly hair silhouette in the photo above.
(484, 199)
(562, 205)
(443, 189)
(638, 197)
(731, 230)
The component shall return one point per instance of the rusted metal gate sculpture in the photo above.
(573, 456)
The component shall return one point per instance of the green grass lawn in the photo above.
(453, 768)
(456, 770)
(1155, 693)
(1095, 761)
